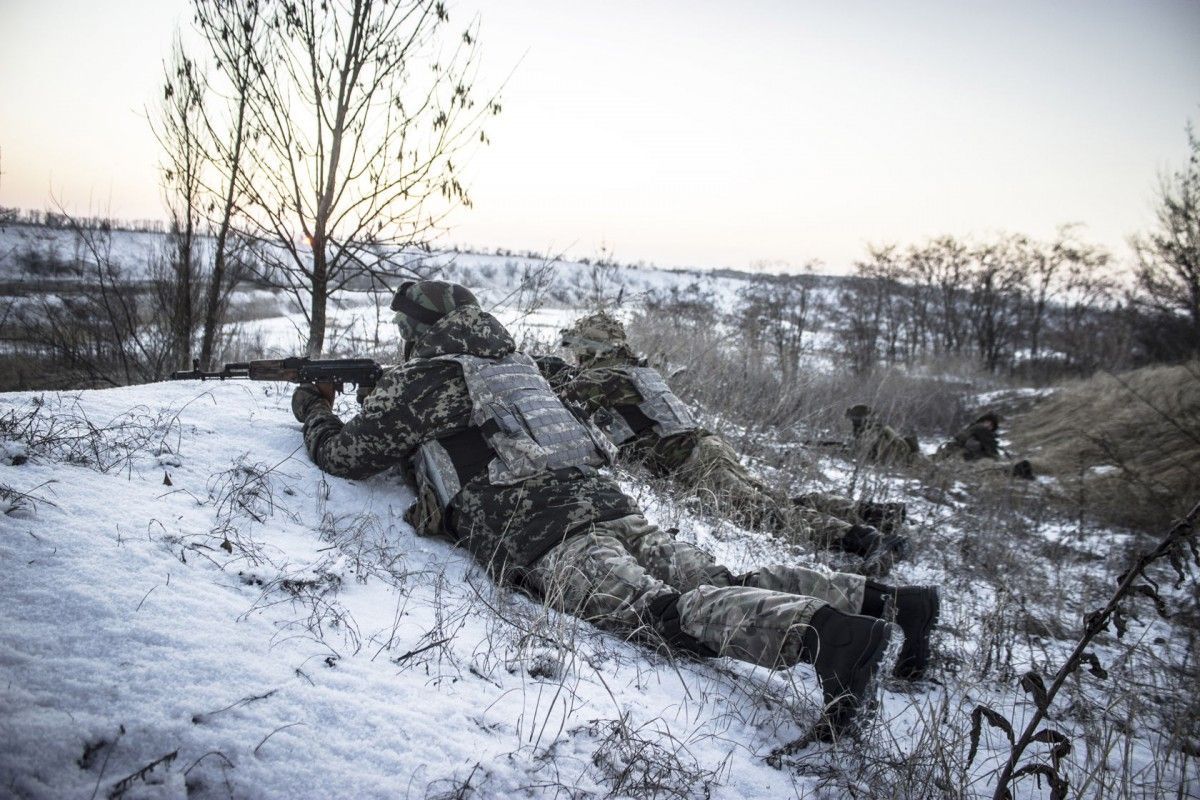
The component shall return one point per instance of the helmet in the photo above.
(859, 411)
(595, 334)
(990, 417)
(419, 305)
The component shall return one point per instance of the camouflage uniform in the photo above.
(571, 535)
(704, 463)
(879, 443)
(977, 440)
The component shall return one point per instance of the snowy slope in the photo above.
(256, 629)
(324, 651)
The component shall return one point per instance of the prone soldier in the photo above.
(634, 405)
(505, 470)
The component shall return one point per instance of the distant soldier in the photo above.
(633, 404)
(981, 440)
(504, 469)
(977, 440)
(878, 442)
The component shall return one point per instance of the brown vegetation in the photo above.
(1125, 445)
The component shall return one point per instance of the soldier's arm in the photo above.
(599, 388)
(555, 370)
(407, 405)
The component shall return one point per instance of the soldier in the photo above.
(977, 440)
(878, 442)
(980, 440)
(505, 470)
(633, 405)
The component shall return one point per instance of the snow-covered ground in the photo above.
(192, 609)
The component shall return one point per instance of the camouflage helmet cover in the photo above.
(596, 333)
(419, 305)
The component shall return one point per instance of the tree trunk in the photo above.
(320, 293)
(182, 324)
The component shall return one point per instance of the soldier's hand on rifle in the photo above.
(363, 393)
(309, 397)
(327, 391)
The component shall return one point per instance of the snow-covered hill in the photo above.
(192, 609)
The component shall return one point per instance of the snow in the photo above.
(286, 658)
(179, 580)
(281, 633)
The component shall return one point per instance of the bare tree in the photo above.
(235, 34)
(1168, 269)
(357, 118)
(178, 127)
(776, 310)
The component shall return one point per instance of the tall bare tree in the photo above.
(1168, 269)
(179, 126)
(359, 115)
(235, 33)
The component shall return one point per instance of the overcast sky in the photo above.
(702, 133)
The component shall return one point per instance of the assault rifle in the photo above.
(360, 372)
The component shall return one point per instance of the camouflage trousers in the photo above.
(725, 487)
(612, 576)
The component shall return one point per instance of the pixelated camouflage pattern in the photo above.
(698, 460)
(612, 575)
(427, 398)
(437, 297)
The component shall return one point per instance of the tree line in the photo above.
(1014, 303)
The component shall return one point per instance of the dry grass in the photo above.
(1127, 446)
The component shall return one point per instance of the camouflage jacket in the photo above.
(973, 442)
(423, 399)
(607, 386)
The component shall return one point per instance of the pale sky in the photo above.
(692, 133)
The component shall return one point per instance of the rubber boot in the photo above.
(847, 651)
(915, 610)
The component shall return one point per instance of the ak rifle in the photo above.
(362, 373)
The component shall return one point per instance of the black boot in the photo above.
(915, 610)
(861, 540)
(665, 621)
(887, 517)
(879, 552)
(846, 650)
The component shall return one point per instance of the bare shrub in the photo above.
(745, 386)
(58, 429)
(648, 761)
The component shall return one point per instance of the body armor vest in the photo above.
(527, 428)
(669, 414)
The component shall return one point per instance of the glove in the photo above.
(308, 399)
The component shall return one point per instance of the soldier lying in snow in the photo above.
(875, 441)
(981, 440)
(878, 442)
(505, 470)
(632, 403)
(977, 440)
